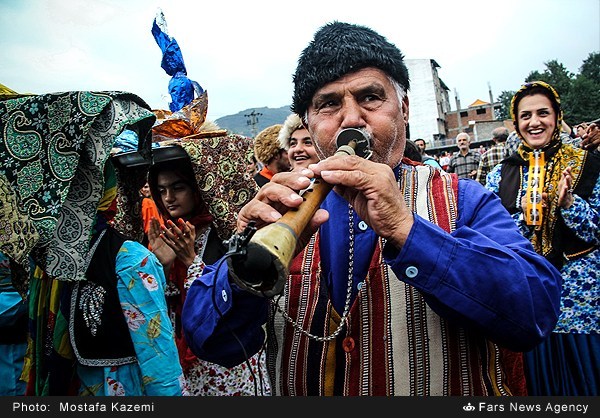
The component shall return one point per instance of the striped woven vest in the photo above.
(394, 343)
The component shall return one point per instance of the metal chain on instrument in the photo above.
(348, 291)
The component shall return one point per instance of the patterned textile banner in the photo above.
(52, 156)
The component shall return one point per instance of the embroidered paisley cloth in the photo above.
(53, 151)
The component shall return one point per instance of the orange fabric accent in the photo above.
(265, 172)
(149, 211)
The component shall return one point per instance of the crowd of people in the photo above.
(470, 275)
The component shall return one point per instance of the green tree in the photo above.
(591, 67)
(556, 75)
(534, 75)
(504, 99)
(582, 104)
(580, 93)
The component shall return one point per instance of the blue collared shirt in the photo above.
(484, 275)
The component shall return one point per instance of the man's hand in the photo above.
(590, 138)
(278, 196)
(372, 190)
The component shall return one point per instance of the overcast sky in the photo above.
(245, 52)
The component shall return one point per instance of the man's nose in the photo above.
(352, 114)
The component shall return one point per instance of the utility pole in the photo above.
(459, 118)
(253, 121)
(495, 110)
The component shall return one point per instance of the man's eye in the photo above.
(327, 105)
(371, 101)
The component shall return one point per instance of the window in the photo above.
(481, 111)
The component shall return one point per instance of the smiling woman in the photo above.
(294, 138)
(552, 190)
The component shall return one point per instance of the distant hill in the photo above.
(240, 123)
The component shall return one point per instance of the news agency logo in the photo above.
(468, 407)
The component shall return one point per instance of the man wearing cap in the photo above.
(268, 151)
(408, 281)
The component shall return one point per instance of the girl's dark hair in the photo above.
(183, 168)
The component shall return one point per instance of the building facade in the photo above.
(432, 119)
(429, 103)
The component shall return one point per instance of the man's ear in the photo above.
(405, 109)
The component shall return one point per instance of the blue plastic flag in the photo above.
(181, 88)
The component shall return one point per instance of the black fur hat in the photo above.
(340, 48)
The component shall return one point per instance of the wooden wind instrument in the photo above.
(263, 267)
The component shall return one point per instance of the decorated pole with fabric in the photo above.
(181, 88)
